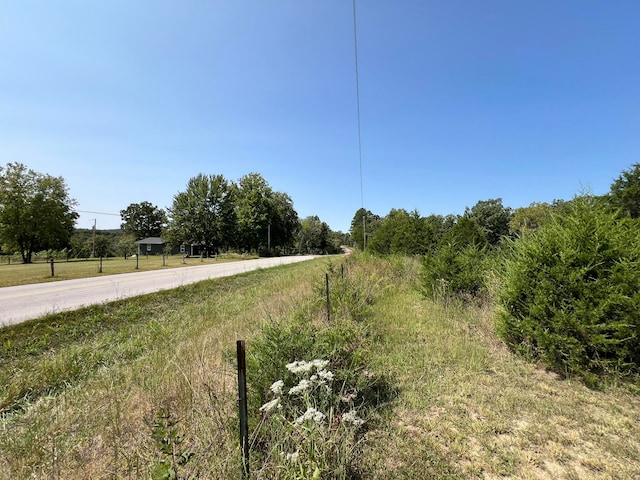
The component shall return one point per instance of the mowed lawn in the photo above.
(79, 390)
(39, 272)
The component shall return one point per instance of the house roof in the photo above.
(151, 241)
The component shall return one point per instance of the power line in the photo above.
(98, 213)
(355, 45)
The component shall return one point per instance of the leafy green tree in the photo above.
(313, 236)
(528, 219)
(254, 212)
(337, 239)
(492, 217)
(143, 220)
(125, 245)
(78, 242)
(36, 212)
(266, 219)
(204, 213)
(102, 246)
(284, 221)
(363, 222)
(625, 191)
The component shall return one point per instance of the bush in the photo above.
(570, 293)
(454, 272)
(344, 344)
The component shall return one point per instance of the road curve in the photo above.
(25, 302)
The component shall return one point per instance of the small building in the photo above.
(156, 246)
(153, 246)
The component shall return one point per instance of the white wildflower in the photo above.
(352, 417)
(325, 375)
(303, 385)
(267, 407)
(292, 456)
(302, 366)
(310, 414)
(320, 364)
(299, 366)
(349, 397)
(276, 387)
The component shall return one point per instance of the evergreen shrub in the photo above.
(569, 293)
(451, 271)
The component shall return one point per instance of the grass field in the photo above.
(79, 391)
(20, 274)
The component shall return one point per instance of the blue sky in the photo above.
(461, 101)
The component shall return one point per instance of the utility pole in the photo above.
(364, 232)
(93, 253)
(269, 236)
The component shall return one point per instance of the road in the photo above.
(25, 302)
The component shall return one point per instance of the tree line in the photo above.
(37, 214)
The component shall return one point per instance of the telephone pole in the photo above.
(93, 248)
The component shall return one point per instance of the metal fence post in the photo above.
(242, 400)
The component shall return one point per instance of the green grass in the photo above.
(78, 388)
(471, 409)
(24, 274)
(93, 382)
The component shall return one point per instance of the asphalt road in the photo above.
(18, 304)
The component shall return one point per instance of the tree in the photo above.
(337, 239)
(79, 246)
(254, 212)
(453, 271)
(363, 222)
(143, 220)
(266, 219)
(455, 266)
(464, 233)
(529, 219)
(101, 246)
(402, 233)
(36, 212)
(437, 227)
(125, 245)
(492, 217)
(204, 213)
(284, 221)
(625, 191)
(313, 236)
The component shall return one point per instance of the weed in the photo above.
(168, 442)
